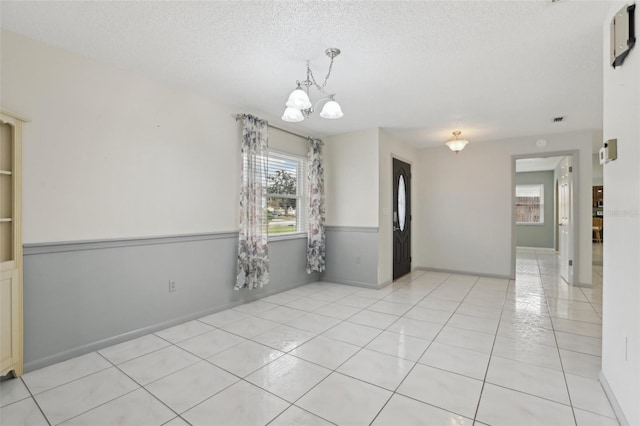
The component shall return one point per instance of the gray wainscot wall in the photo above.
(84, 296)
(352, 256)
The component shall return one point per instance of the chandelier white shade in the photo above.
(456, 145)
(299, 99)
(292, 115)
(331, 110)
(299, 105)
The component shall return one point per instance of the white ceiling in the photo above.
(420, 69)
(537, 164)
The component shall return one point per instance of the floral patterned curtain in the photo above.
(316, 246)
(253, 251)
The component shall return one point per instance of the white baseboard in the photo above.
(612, 399)
(457, 272)
(550, 250)
(352, 283)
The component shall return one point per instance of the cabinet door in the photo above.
(9, 317)
(10, 245)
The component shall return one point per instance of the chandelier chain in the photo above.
(326, 78)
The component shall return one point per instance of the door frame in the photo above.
(556, 215)
(389, 219)
(574, 250)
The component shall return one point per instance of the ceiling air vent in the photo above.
(559, 119)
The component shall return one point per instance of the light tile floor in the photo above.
(597, 253)
(432, 348)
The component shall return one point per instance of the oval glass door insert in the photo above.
(402, 210)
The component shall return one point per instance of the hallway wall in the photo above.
(464, 204)
(621, 320)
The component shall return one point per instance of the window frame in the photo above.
(300, 197)
(540, 188)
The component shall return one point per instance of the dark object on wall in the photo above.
(623, 34)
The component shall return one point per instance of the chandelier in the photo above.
(299, 105)
(456, 145)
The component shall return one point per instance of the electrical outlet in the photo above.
(172, 286)
(358, 260)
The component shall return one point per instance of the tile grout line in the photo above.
(206, 399)
(244, 378)
(591, 303)
(98, 406)
(558, 350)
(138, 356)
(573, 408)
(34, 400)
(160, 378)
(416, 362)
(91, 374)
(395, 391)
(358, 351)
(331, 371)
(70, 381)
(240, 378)
(493, 344)
(300, 408)
(140, 387)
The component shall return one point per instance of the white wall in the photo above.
(108, 154)
(597, 171)
(285, 142)
(391, 147)
(464, 203)
(621, 259)
(351, 179)
(358, 175)
(464, 208)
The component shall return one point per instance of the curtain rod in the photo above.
(241, 116)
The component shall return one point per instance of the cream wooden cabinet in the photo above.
(10, 245)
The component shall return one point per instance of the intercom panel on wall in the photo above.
(609, 151)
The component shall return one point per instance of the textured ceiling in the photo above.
(420, 69)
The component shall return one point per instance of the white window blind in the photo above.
(286, 185)
(530, 204)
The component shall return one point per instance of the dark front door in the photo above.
(401, 218)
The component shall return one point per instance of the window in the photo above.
(529, 204)
(285, 194)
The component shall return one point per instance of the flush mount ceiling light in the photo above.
(299, 105)
(456, 145)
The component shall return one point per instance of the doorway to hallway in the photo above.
(543, 206)
(597, 229)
